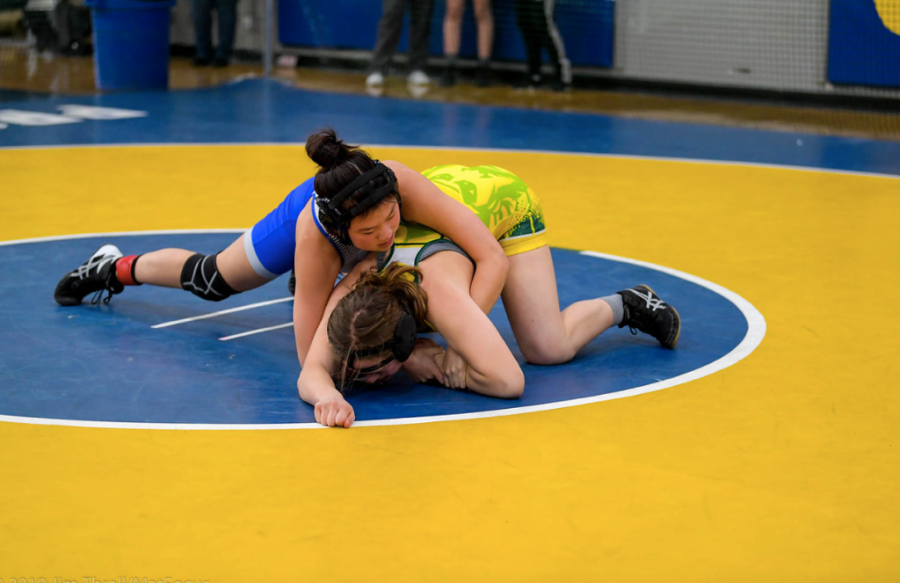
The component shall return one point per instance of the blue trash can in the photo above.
(131, 43)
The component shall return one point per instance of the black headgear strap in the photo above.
(401, 345)
(332, 206)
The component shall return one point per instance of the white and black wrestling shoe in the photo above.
(645, 311)
(96, 275)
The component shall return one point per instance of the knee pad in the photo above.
(201, 277)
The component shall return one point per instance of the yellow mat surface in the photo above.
(783, 467)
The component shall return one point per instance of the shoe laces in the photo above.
(95, 262)
(628, 319)
(107, 287)
(653, 304)
(98, 297)
(98, 263)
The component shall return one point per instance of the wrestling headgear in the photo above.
(371, 195)
(401, 345)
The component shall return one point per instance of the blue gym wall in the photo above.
(585, 25)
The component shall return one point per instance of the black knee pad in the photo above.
(201, 277)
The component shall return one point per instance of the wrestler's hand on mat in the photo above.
(421, 365)
(454, 368)
(335, 412)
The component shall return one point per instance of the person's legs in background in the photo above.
(419, 31)
(201, 12)
(452, 27)
(389, 28)
(484, 17)
(227, 17)
(529, 14)
(552, 40)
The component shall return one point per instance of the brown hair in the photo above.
(367, 316)
(339, 165)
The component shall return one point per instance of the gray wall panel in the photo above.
(767, 44)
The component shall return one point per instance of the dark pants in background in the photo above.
(391, 25)
(535, 18)
(227, 17)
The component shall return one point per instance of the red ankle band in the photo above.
(125, 270)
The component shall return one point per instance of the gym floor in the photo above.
(762, 448)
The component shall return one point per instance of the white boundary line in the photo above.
(222, 313)
(257, 331)
(500, 150)
(126, 234)
(756, 331)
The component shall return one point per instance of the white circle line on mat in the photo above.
(756, 331)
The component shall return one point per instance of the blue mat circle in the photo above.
(106, 365)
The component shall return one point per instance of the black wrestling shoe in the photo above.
(645, 311)
(292, 282)
(96, 275)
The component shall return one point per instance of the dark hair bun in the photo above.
(325, 149)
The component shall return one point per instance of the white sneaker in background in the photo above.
(418, 91)
(418, 77)
(375, 79)
(286, 62)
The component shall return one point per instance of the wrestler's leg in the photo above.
(236, 269)
(164, 267)
(544, 334)
(108, 270)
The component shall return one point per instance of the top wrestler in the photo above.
(323, 228)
